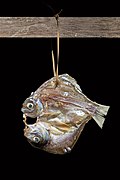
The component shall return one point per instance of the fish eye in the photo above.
(36, 139)
(30, 105)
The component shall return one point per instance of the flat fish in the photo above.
(60, 113)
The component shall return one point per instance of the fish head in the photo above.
(32, 107)
(36, 134)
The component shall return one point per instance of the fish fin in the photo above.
(99, 115)
(55, 131)
(60, 125)
(71, 80)
(79, 131)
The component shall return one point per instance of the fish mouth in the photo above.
(28, 126)
(28, 120)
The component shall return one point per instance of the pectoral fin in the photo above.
(60, 125)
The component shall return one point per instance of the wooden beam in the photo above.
(69, 27)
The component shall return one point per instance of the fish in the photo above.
(60, 111)
(60, 114)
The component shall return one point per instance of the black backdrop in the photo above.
(70, 8)
(26, 64)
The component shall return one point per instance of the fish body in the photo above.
(61, 111)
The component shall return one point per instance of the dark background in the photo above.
(26, 64)
(51, 7)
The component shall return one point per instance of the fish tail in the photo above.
(101, 111)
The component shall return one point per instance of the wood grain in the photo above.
(72, 27)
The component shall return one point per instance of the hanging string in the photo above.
(58, 44)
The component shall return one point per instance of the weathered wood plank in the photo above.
(69, 27)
